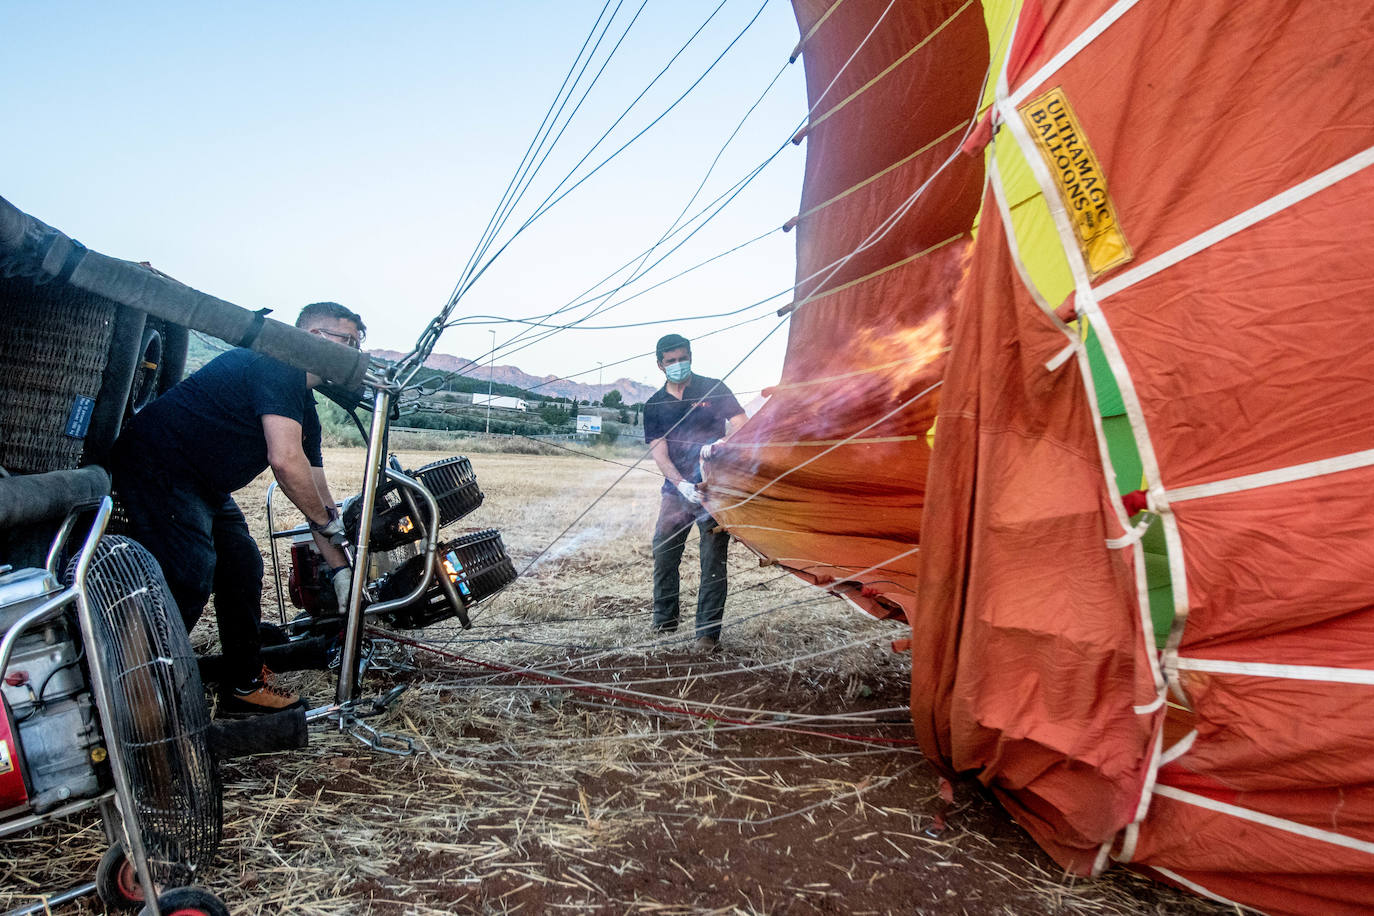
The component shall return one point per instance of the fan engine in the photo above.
(53, 750)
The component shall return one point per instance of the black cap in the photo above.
(672, 342)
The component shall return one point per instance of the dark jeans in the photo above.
(675, 519)
(203, 545)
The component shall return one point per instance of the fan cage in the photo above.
(158, 712)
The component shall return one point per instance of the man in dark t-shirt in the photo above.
(689, 412)
(176, 463)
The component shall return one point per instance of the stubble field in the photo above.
(569, 761)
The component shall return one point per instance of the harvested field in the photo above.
(567, 761)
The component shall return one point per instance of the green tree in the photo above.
(612, 398)
(337, 428)
(554, 415)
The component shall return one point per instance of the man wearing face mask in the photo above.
(176, 463)
(690, 411)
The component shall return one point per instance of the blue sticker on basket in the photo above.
(79, 420)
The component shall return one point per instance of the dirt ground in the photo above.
(568, 761)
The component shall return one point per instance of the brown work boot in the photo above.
(261, 696)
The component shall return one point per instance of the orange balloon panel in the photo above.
(1203, 113)
(1028, 660)
(1254, 860)
(1198, 175)
(1255, 353)
(1257, 733)
(828, 478)
(1272, 561)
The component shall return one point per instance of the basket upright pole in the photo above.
(276, 563)
(372, 476)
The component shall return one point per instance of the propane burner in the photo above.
(476, 565)
(453, 485)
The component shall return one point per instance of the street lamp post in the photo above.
(491, 372)
(600, 395)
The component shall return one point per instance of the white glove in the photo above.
(708, 448)
(334, 531)
(689, 492)
(343, 584)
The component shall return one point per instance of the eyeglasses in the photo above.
(349, 340)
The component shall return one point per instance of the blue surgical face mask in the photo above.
(678, 372)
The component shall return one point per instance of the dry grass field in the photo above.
(568, 762)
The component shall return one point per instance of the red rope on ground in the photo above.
(637, 701)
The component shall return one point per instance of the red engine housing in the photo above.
(13, 791)
(308, 580)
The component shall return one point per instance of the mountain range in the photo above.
(633, 392)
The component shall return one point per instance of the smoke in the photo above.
(614, 520)
(571, 544)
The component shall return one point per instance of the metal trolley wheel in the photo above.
(118, 887)
(116, 882)
(188, 901)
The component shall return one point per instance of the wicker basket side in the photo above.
(54, 344)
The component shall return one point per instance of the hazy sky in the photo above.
(275, 154)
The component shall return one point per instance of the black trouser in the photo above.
(203, 544)
(675, 518)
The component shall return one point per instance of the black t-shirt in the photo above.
(207, 430)
(697, 419)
